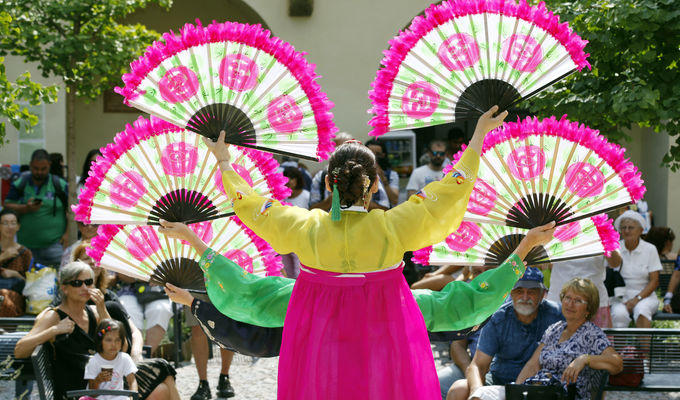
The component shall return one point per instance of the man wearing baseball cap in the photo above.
(510, 337)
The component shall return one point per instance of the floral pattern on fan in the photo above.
(464, 56)
(143, 253)
(487, 244)
(536, 171)
(155, 170)
(237, 78)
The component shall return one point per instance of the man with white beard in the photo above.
(510, 337)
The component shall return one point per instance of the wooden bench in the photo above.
(660, 363)
(668, 266)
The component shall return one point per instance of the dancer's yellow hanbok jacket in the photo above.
(359, 243)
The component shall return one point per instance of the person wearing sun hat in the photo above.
(640, 270)
(510, 337)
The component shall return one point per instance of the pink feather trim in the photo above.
(251, 35)
(608, 235)
(99, 244)
(422, 256)
(436, 15)
(270, 258)
(611, 153)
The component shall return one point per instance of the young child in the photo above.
(109, 366)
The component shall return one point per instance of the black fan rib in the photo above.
(213, 118)
(538, 209)
(502, 248)
(182, 205)
(181, 272)
(482, 95)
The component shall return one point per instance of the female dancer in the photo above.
(352, 328)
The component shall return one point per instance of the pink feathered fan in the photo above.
(237, 78)
(464, 56)
(155, 170)
(143, 253)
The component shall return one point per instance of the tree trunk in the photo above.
(71, 158)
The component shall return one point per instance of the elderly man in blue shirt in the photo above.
(510, 337)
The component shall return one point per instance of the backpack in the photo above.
(58, 190)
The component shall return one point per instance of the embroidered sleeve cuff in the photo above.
(207, 259)
(467, 166)
(518, 266)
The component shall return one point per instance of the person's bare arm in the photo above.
(180, 231)
(47, 326)
(459, 353)
(672, 285)
(486, 123)
(609, 360)
(614, 260)
(410, 193)
(646, 291)
(476, 371)
(132, 382)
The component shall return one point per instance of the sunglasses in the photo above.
(79, 282)
(438, 153)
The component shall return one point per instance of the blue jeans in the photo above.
(50, 255)
(447, 375)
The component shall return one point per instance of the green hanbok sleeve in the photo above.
(242, 296)
(460, 305)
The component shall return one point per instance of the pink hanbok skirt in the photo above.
(355, 336)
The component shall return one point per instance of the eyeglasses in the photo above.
(572, 300)
(628, 227)
(438, 153)
(13, 223)
(79, 282)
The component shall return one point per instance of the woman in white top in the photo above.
(640, 271)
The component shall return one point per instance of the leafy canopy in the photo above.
(82, 41)
(634, 48)
(13, 95)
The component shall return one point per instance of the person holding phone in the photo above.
(39, 198)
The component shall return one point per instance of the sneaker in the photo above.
(224, 389)
(203, 392)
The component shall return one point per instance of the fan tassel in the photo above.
(335, 207)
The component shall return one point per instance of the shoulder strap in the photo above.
(58, 194)
(23, 181)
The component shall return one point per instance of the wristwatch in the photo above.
(638, 297)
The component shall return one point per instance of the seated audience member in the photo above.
(57, 165)
(570, 351)
(70, 327)
(640, 271)
(461, 350)
(592, 268)
(662, 238)
(87, 233)
(510, 337)
(15, 260)
(389, 178)
(671, 300)
(156, 313)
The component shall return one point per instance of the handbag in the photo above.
(613, 280)
(147, 293)
(633, 368)
(539, 391)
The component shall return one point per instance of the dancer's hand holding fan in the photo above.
(463, 56)
(237, 78)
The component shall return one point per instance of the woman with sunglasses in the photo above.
(70, 328)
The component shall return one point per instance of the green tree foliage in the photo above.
(84, 42)
(81, 41)
(14, 95)
(634, 48)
